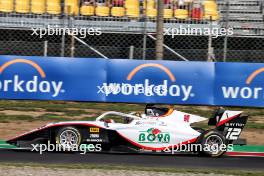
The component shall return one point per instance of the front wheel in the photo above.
(213, 144)
(69, 138)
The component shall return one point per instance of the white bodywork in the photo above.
(150, 132)
(174, 129)
(176, 125)
(229, 114)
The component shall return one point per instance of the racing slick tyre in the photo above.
(213, 144)
(69, 138)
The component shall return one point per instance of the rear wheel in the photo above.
(69, 138)
(213, 144)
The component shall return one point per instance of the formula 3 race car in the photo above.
(159, 129)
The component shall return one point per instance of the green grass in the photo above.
(240, 172)
(5, 118)
(255, 125)
(61, 106)
(54, 117)
(70, 110)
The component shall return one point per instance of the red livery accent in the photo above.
(186, 118)
(226, 120)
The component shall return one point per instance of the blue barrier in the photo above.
(159, 82)
(131, 81)
(51, 78)
(239, 84)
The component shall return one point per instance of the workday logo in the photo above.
(246, 92)
(146, 87)
(36, 84)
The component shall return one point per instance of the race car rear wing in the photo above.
(230, 123)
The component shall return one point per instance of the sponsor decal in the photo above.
(186, 118)
(94, 140)
(153, 136)
(234, 124)
(146, 87)
(94, 130)
(94, 136)
(142, 123)
(246, 92)
(36, 84)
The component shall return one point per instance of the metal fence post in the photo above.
(72, 46)
(131, 52)
(63, 45)
(63, 39)
(45, 49)
(159, 31)
(226, 36)
(144, 39)
(64, 18)
(71, 24)
(210, 50)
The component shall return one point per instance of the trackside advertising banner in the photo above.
(131, 81)
(239, 84)
(159, 82)
(39, 78)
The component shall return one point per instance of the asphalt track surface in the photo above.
(146, 160)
